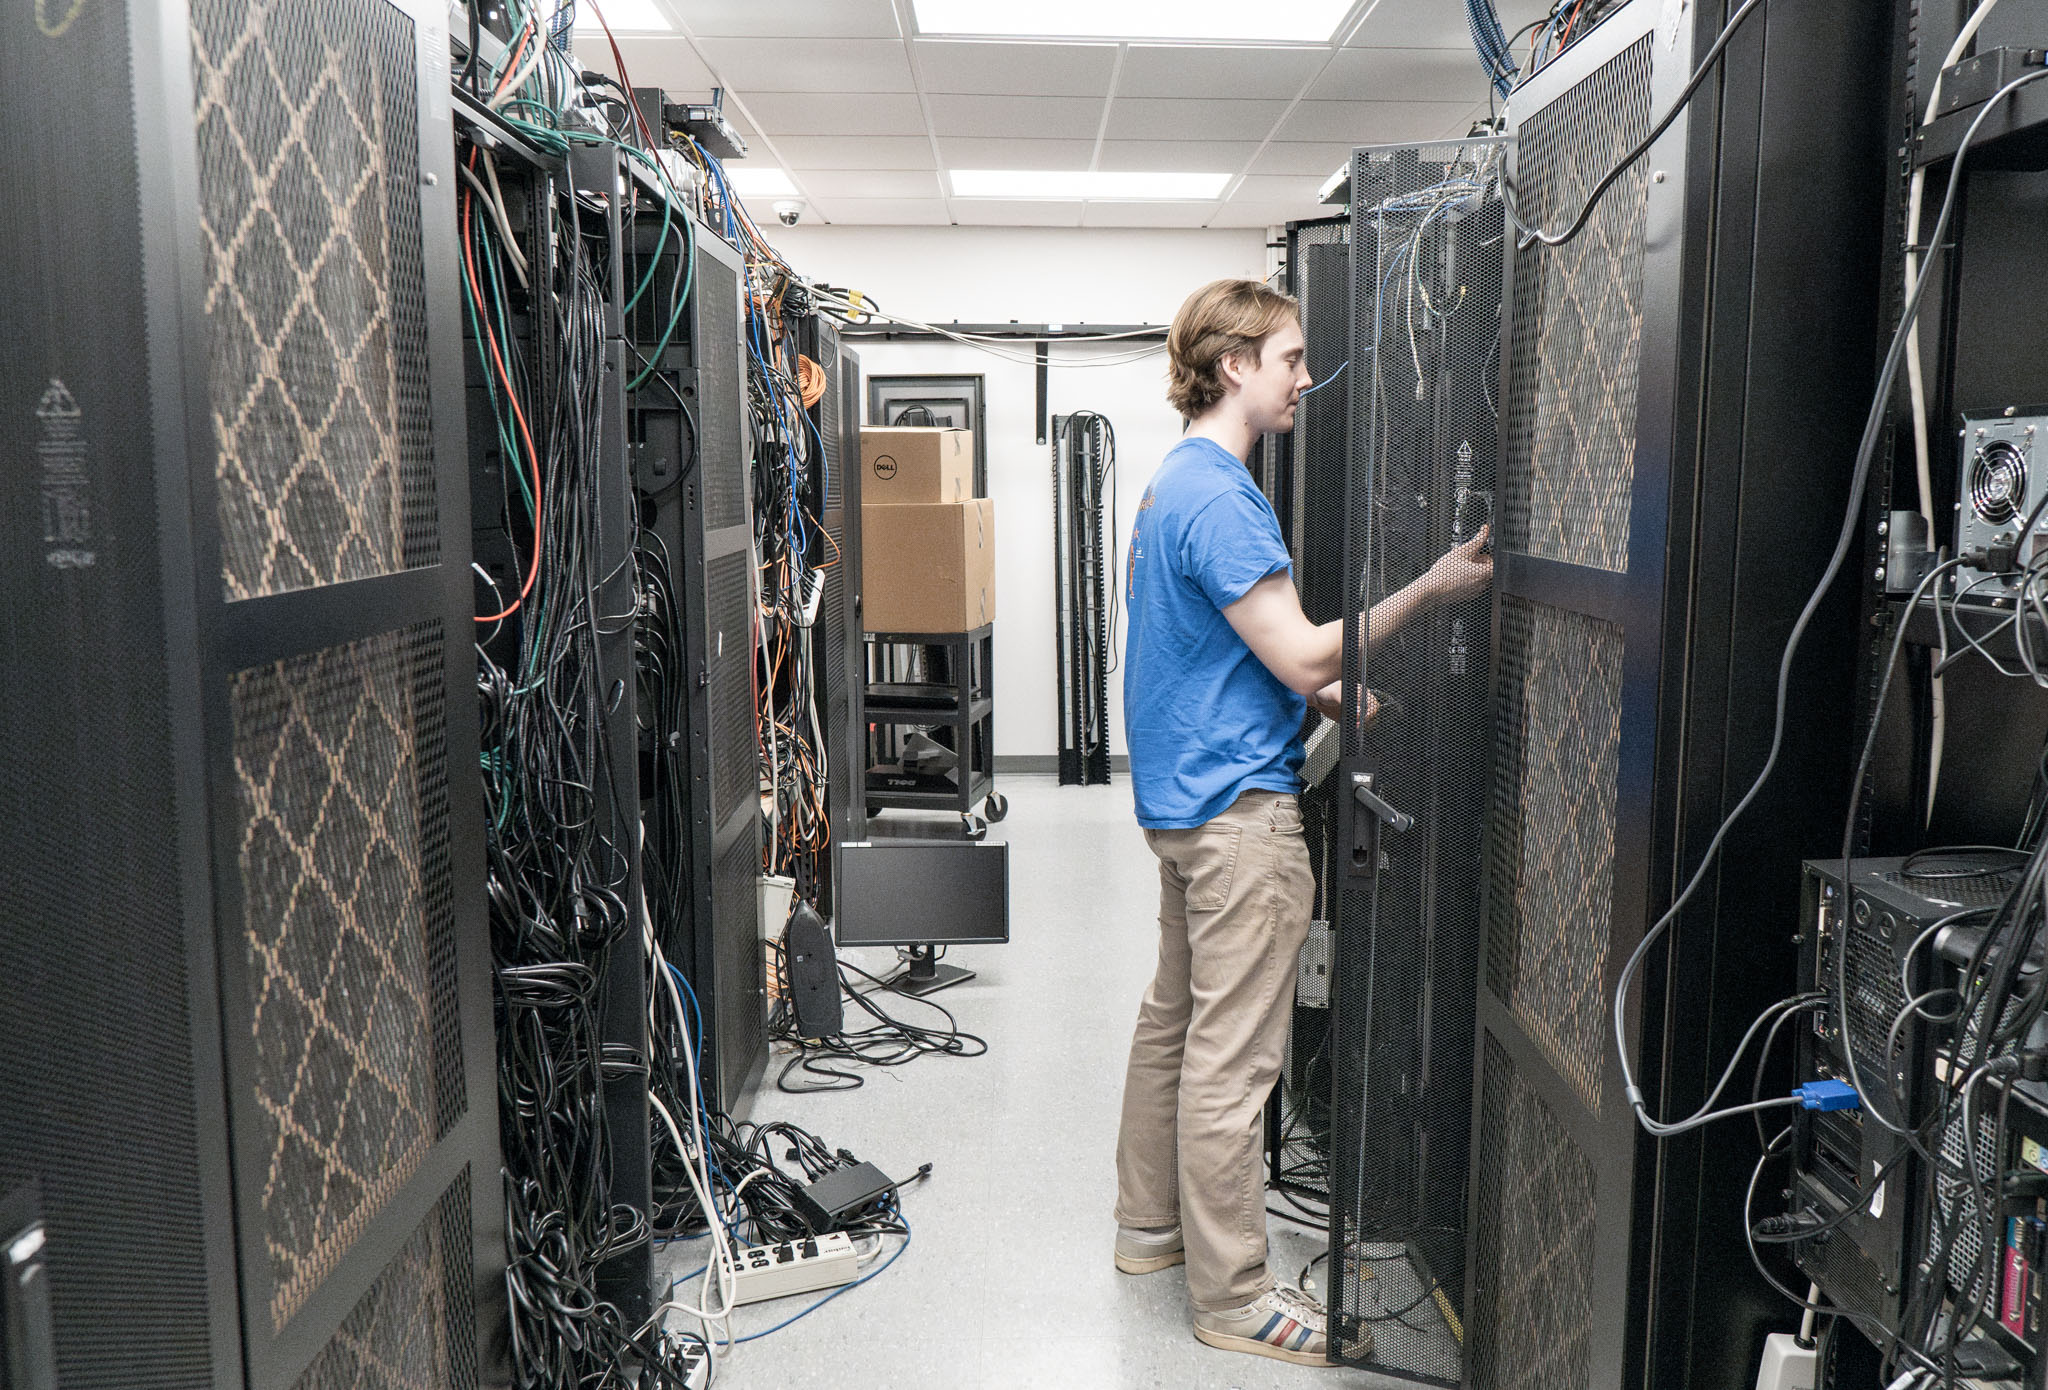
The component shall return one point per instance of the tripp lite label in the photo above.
(63, 451)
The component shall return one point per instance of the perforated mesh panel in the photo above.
(1557, 758)
(415, 1329)
(831, 420)
(1425, 263)
(735, 765)
(315, 302)
(340, 768)
(1959, 1215)
(1575, 363)
(1532, 1302)
(741, 1002)
(1320, 272)
(722, 394)
(1875, 998)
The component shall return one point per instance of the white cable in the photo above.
(504, 220)
(967, 340)
(1916, 389)
(533, 60)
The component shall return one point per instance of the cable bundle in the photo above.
(887, 1042)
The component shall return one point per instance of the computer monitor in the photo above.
(924, 894)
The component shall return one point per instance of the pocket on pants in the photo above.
(1211, 865)
(1286, 816)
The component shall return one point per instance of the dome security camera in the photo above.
(788, 213)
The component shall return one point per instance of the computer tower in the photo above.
(702, 855)
(1425, 316)
(246, 1080)
(1683, 388)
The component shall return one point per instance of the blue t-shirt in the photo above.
(1203, 718)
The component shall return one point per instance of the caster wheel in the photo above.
(996, 807)
(975, 827)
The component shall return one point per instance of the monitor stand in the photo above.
(926, 975)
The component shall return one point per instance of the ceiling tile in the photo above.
(857, 152)
(1191, 118)
(1177, 156)
(1038, 118)
(820, 19)
(883, 212)
(667, 62)
(1015, 154)
(868, 183)
(998, 212)
(1146, 214)
(1234, 214)
(1436, 24)
(1301, 157)
(1014, 69)
(1179, 71)
(1370, 122)
(1276, 188)
(837, 113)
(1401, 74)
(810, 65)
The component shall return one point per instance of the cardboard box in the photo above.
(916, 467)
(929, 568)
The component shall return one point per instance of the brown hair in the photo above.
(1219, 319)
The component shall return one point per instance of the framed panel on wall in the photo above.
(946, 402)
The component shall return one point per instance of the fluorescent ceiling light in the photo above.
(765, 182)
(635, 16)
(1096, 186)
(1289, 21)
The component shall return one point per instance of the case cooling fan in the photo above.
(1998, 482)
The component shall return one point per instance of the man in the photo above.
(1219, 666)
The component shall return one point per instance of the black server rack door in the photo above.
(1425, 315)
(1577, 644)
(1652, 552)
(294, 510)
(731, 983)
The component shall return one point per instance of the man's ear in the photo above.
(1233, 369)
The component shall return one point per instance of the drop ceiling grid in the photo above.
(1272, 110)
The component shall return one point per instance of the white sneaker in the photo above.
(1282, 1323)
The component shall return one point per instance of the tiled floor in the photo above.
(1007, 1282)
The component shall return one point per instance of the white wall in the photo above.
(1033, 275)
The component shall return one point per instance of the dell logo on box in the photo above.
(885, 466)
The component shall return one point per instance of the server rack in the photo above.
(1083, 453)
(839, 658)
(249, 1001)
(1652, 547)
(704, 835)
(1425, 293)
(1306, 485)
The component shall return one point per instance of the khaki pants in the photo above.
(1235, 897)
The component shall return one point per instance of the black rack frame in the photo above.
(1082, 575)
(965, 673)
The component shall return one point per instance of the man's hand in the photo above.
(1460, 573)
(1329, 702)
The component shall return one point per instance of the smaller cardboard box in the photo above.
(928, 568)
(916, 467)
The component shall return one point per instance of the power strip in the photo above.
(696, 1367)
(762, 1272)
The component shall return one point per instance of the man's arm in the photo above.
(1304, 656)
